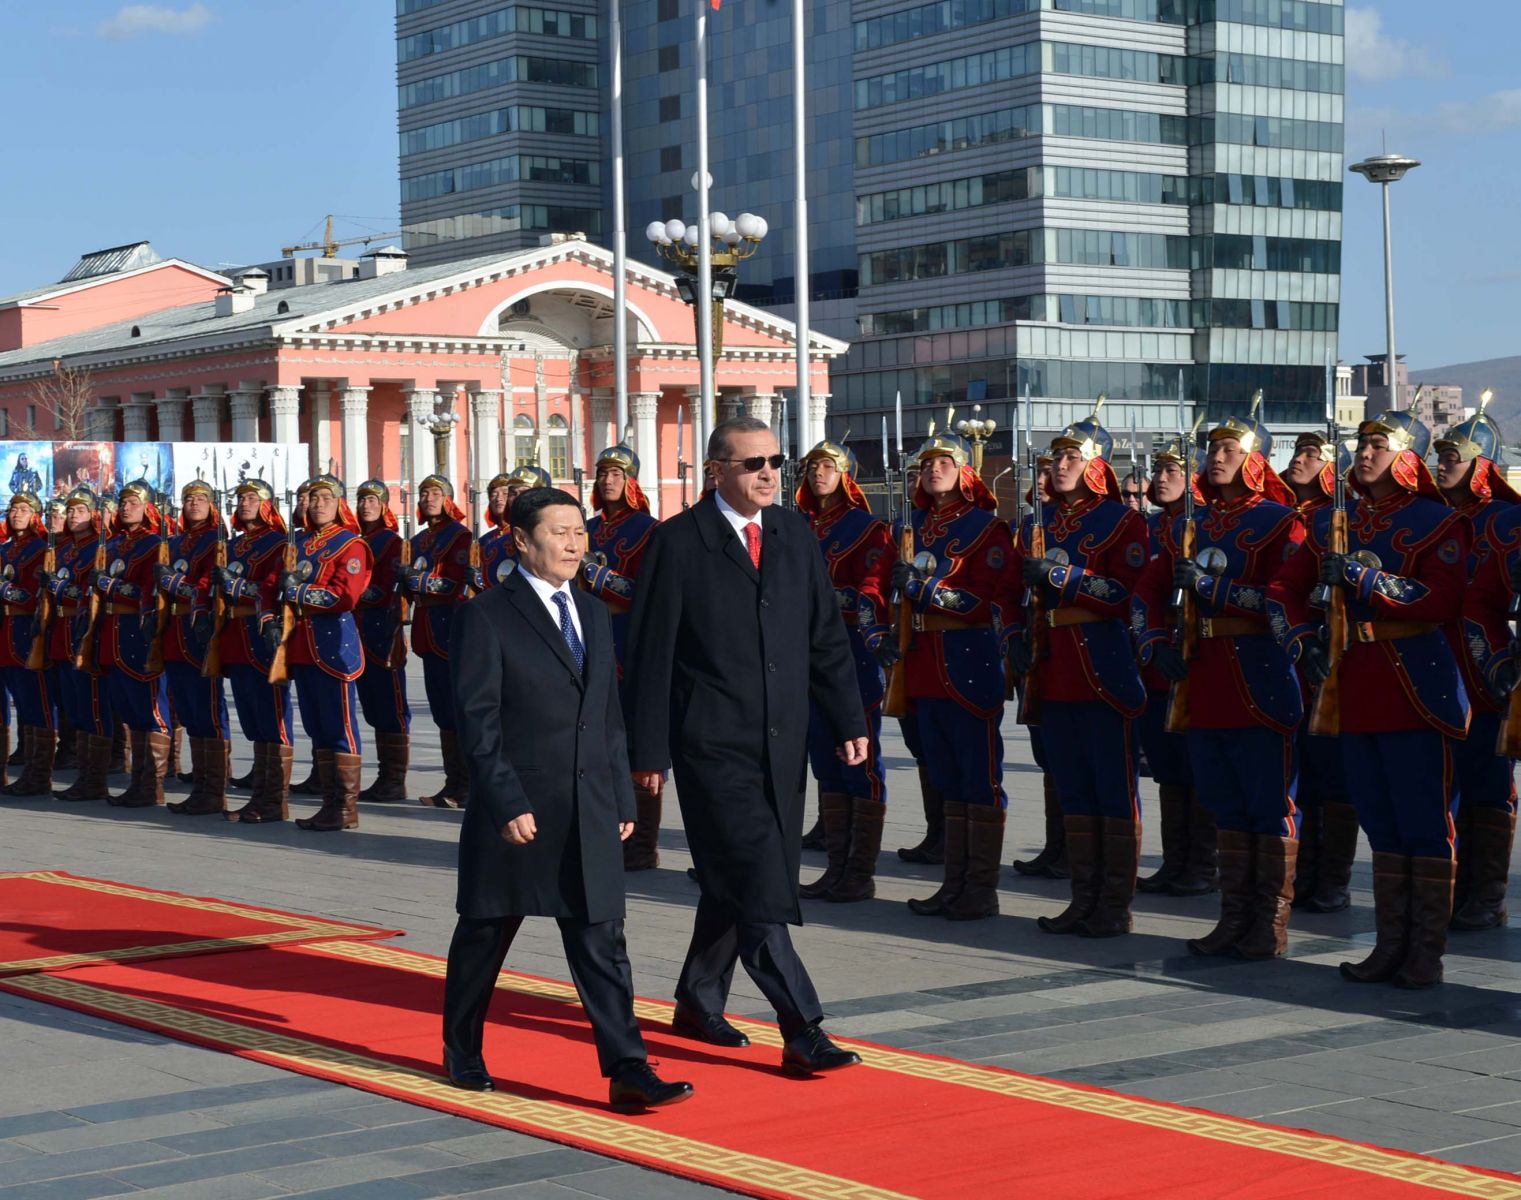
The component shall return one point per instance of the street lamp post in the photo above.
(733, 242)
(441, 426)
(1385, 169)
(976, 431)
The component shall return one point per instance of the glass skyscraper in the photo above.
(1081, 196)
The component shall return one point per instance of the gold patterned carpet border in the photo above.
(1447, 1177)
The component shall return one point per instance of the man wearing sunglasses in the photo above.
(734, 628)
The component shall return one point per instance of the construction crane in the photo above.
(329, 245)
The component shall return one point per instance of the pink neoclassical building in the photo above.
(518, 345)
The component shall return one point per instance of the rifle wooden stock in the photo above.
(36, 657)
(279, 670)
(84, 656)
(161, 610)
(1179, 701)
(403, 608)
(211, 665)
(474, 562)
(1325, 714)
(896, 702)
(1035, 626)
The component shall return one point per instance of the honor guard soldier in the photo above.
(438, 581)
(22, 561)
(383, 683)
(129, 645)
(200, 706)
(80, 554)
(1189, 856)
(311, 785)
(1472, 482)
(957, 589)
(1402, 704)
(1327, 820)
(499, 553)
(1237, 697)
(1089, 690)
(323, 650)
(616, 538)
(859, 552)
(66, 758)
(247, 640)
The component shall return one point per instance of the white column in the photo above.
(486, 429)
(171, 415)
(602, 420)
(699, 450)
(759, 405)
(319, 410)
(208, 413)
(356, 438)
(818, 406)
(420, 403)
(645, 406)
(284, 414)
(134, 417)
(243, 402)
(102, 423)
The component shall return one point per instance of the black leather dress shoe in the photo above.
(468, 1074)
(635, 1085)
(707, 1027)
(812, 1051)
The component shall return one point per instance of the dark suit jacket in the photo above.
(540, 737)
(722, 661)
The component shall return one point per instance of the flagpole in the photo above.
(800, 220)
(620, 238)
(703, 420)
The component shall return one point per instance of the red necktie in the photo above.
(752, 543)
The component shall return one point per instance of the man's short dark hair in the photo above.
(719, 443)
(528, 508)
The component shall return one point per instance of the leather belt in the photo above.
(181, 608)
(123, 610)
(241, 610)
(68, 610)
(1219, 627)
(938, 623)
(18, 610)
(1060, 618)
(1389, 631)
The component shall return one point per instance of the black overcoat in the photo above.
(721, 663)
(539, 737)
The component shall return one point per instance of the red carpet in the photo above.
(904, 1124)
(53, 921)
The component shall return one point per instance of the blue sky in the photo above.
(224, 129)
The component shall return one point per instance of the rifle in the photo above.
(279, 670)
(403, 607)
(1034, 605)
(1184, 603)
(36, 657)
(84, 652)
(211, 665)
(155, 662)
(896, 703)
(1325, 715)
(473, 560)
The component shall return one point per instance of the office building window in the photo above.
(670, 108)
(670, 158)
(668, 10)
(668, 58)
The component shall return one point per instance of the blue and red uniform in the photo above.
(128, 623)
(20, 588)
(324, 653)
(499, 555)
(254, 558)
(200, 705)
(617, 543)
(79, 689)
(383, 683)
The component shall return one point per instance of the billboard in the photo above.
(226, 464)
(53, 469)
(27, 467)
(88, 464)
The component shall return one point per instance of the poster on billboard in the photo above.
(152, 462)
(27, 467)
(282, 465)
(83, 464)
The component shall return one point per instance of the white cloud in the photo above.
(133, 20)
(1375, 56)
(1494, 113)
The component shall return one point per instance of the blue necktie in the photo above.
(568, 631)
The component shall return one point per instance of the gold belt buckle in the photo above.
(1206, 627)
(917, 623)
(1363, 630)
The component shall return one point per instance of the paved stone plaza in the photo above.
(93, 1109)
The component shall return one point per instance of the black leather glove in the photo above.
(270, 631)
(1037, 570)
(1504, 681)
(902, 573)
(149, 625)
(47, 578)
(162, 571)
(1333, 569)
(221, 578)
(1186, 574)
(1315, 663)
(288, 580)
(200, 628)
(886, 651)
(1019, 655)
(1170, 661)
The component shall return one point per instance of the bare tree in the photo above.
(66, 395)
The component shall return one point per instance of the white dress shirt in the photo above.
(546, 592)
(737, 521)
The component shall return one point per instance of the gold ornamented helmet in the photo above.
(140, 488)
(1477, 437)
(1404, 430)
(258, 487)
(936, 444)
(437, 481)
(620, 456)
(201, 486)
(500, 480)
(1088, 435)
(1254, 436)
(28, 498)
(839, 453)
(373, 487)
(528, 475)
(85, 495)
(327, 483)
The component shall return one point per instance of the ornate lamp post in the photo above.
(977, 431)
(441, 426)
(1385, 169)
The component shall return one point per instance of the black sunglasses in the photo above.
(757, 461)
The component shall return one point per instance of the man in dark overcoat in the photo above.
(733, 628)
(536, 698)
